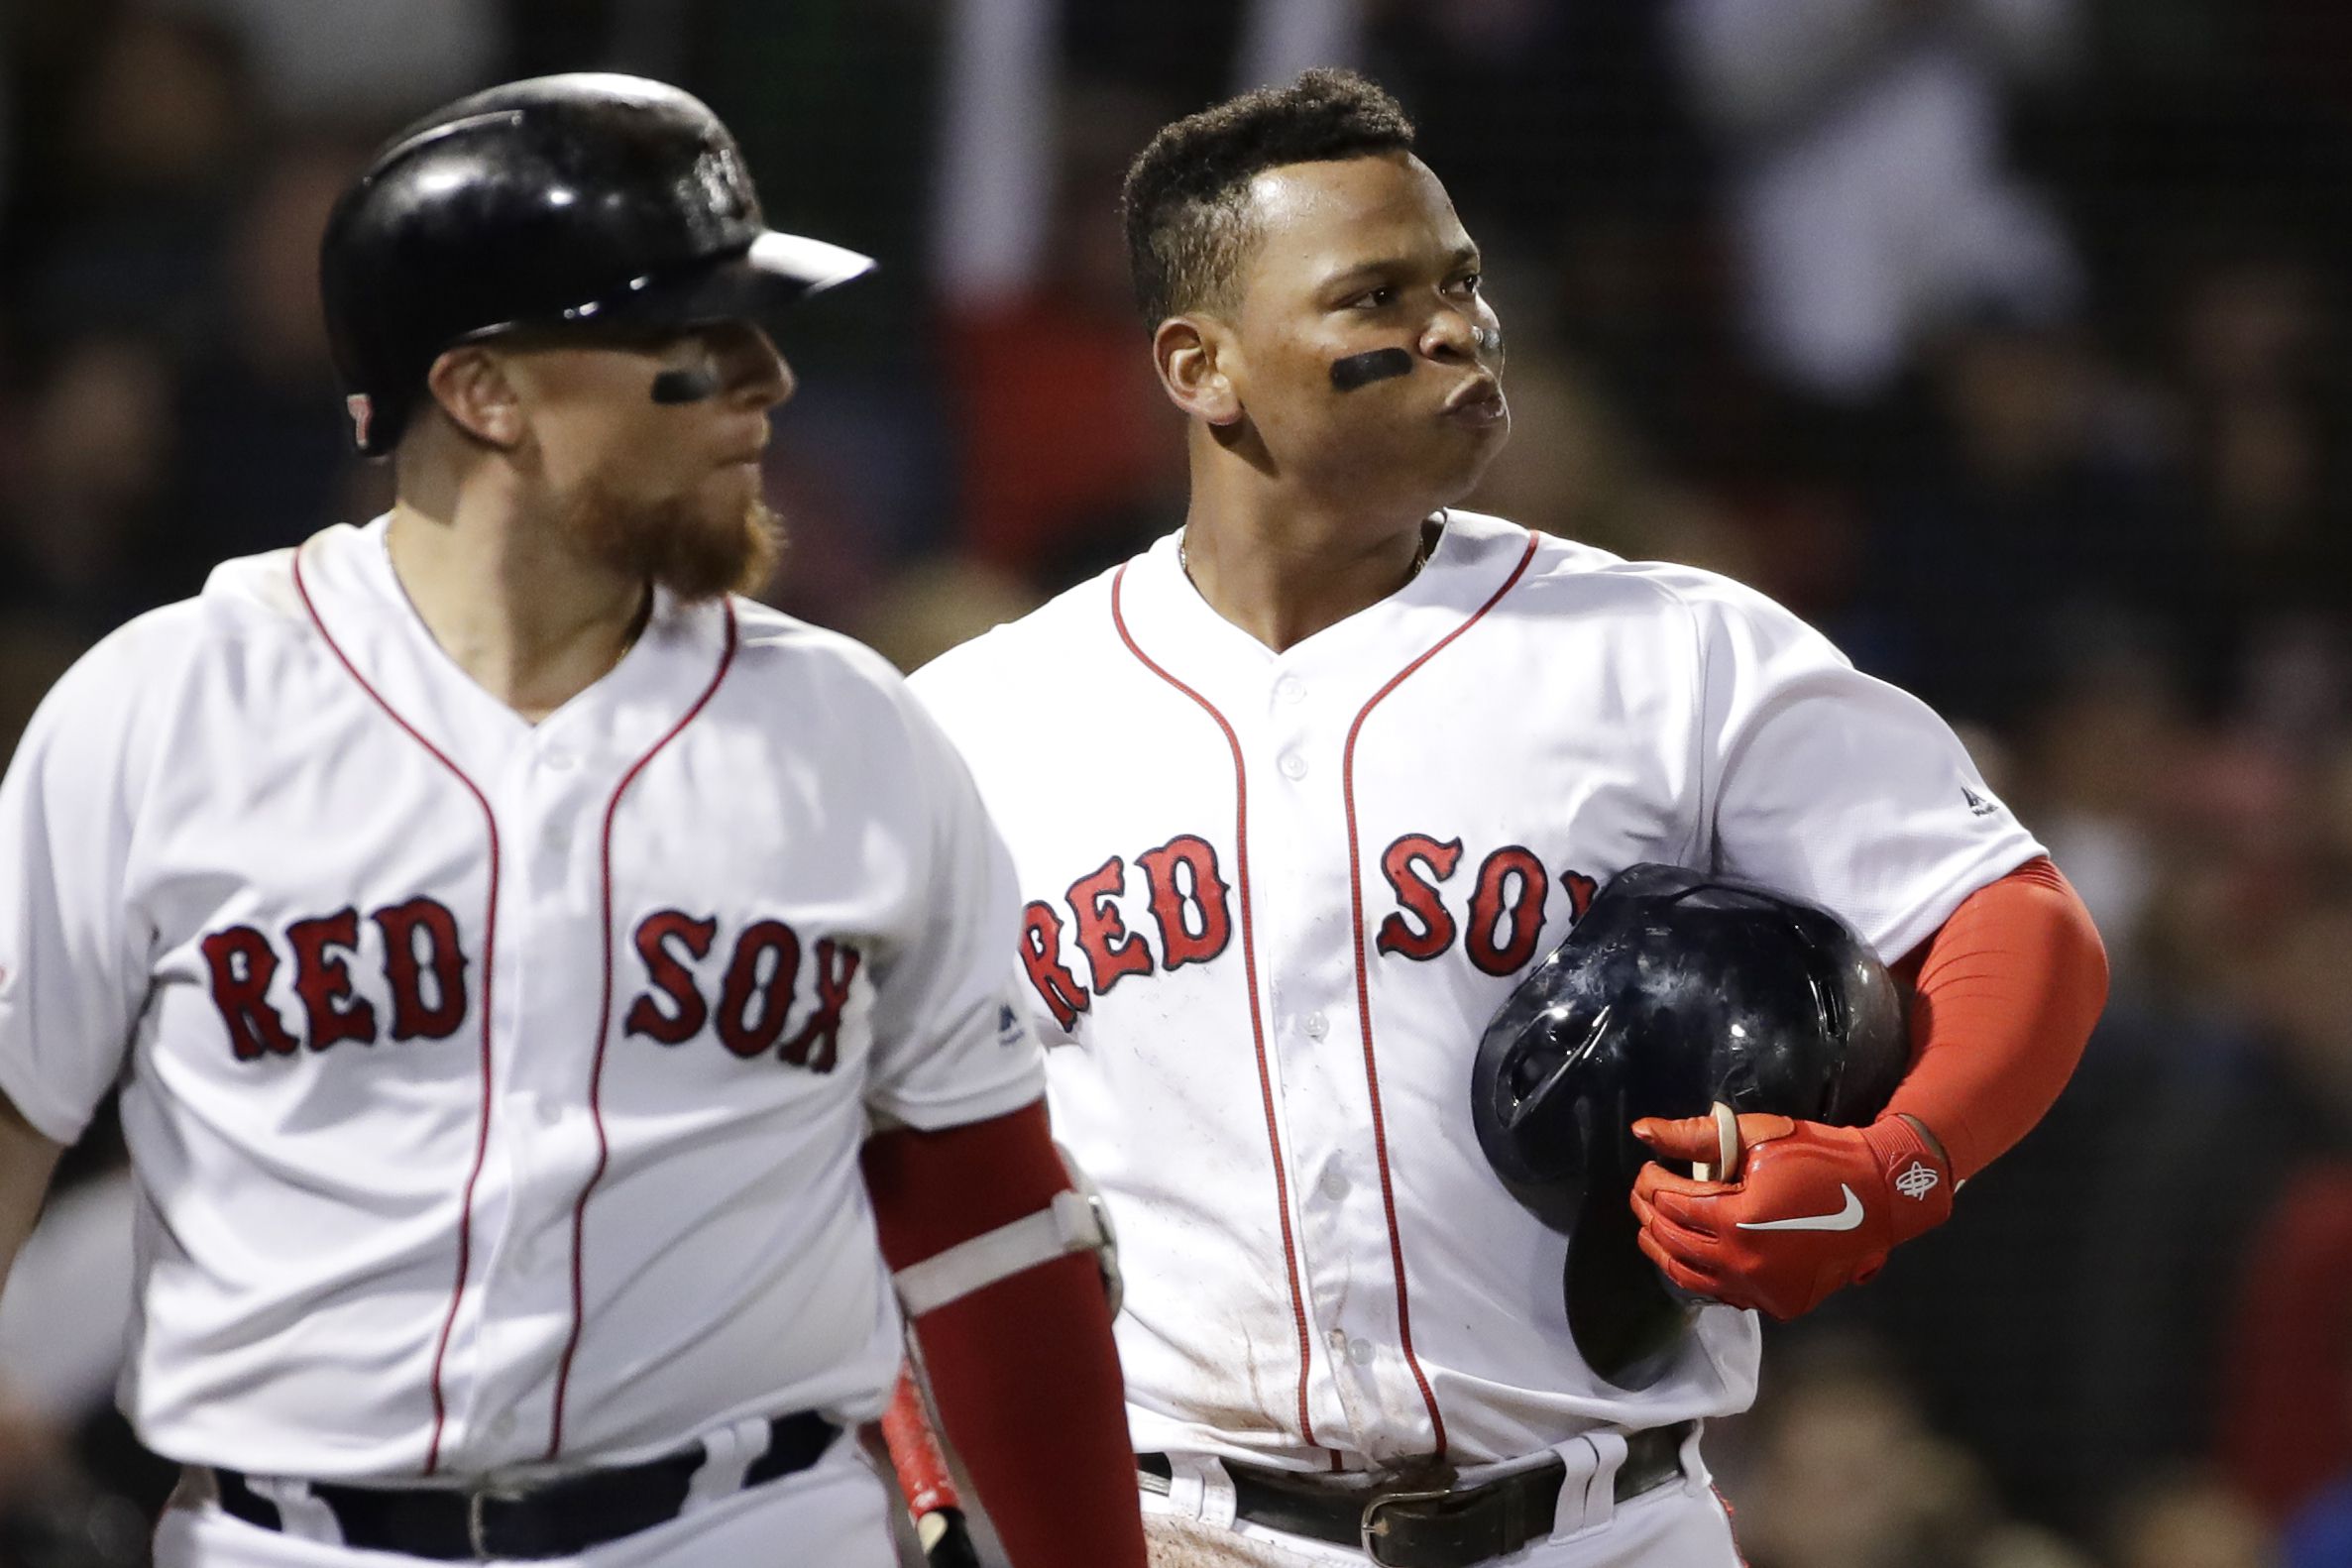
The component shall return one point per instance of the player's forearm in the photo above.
(26, 1160)
(2005, 994)
(1023, 1371)
(1028, 1388)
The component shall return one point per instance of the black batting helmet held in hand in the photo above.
(561, 201)
(1676, 989)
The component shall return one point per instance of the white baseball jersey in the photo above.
(495, 1090)
(1275, 898)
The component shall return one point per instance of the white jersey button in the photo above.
(551, 1114)
(562, 761)
(1335, 1183)
(1317, 1025)
(1294, 765)
(1290, 688)
(501, 1426)
(1360, 1351)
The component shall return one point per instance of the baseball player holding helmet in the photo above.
(550, 994)
(1301, 797)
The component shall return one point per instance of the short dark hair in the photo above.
(1185, 202)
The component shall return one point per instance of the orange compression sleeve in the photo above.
(1023, 1371)
(2004, 996)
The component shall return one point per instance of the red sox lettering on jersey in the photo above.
(423, 978)
(1191, 915)
(473, 1067)
(1274, 898)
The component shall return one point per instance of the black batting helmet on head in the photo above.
(1676, 989)
(558, 201)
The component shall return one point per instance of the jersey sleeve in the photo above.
(74, 955)
(952, 1042)
(1837, 787)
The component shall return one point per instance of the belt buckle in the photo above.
(1374, 1527)
(477, 1532)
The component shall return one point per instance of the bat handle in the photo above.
(946, 1541)
(916, 1454)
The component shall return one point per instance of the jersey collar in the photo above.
(361, 607)
(1171, 621)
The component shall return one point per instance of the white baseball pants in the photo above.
(835, 1512)
(1680, 1524)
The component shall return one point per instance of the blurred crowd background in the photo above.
(2003, 339)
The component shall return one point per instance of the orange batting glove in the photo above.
(1806, 1208)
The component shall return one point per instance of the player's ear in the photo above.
(1189, 353)
(472, 387)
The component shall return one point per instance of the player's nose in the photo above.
(1452, 337)
(756, 375)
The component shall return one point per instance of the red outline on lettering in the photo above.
(603, 1028)
(490, 936)
(1379, 1136)
(1249, 962)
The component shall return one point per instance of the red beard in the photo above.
(686, 550)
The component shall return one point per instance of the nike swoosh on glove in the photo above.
(1813, 1209)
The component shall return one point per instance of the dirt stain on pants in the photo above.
(1175, 1542)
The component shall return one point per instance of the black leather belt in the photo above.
(557, 1518)
(1450, 1527)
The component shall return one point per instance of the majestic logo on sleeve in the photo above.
(1080, 945)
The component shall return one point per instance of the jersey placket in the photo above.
(544, 1141)
(1362, 1389)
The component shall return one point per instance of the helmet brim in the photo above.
(758, 283)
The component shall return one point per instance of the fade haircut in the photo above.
(1185, 204)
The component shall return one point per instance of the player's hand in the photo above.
(1806, 1209)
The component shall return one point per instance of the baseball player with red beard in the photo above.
(550, 994)
(1299, 793)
